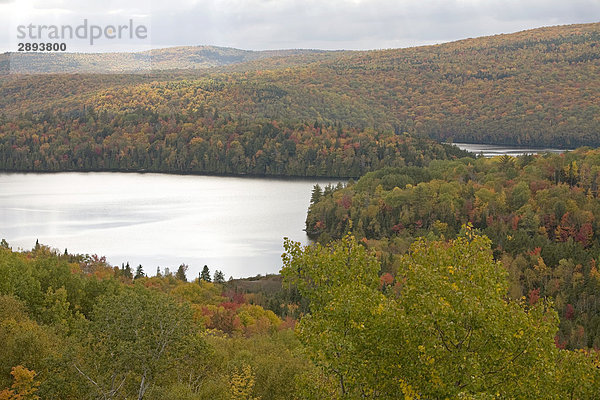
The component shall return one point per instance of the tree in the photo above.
(219, 277)
(444, 330)
(24, 341)
(205, 274)
(341, 282)
(24, 386)
(242, 384)
(126, 271)
(181, 272)
(316, 194)
(139, 272)
(134, 338)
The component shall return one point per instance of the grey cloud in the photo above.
(336, 24)
(260, 24)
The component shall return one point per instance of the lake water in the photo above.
(236, 225)
(490, 150)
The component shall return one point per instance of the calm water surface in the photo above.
(236, 225)
(491, 150)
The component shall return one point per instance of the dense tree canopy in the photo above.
(72, 327)
(338, 116)
(541, 214)
(442, 328)
(418, 303)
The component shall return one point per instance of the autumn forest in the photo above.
(434, 273)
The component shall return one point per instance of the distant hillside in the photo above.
(186, 57)
(310, 113)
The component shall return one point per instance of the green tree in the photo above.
(180, 274)
(134, 339)
(205, 274)
(444, 330)
(24, 342)
(316, 194)
(126, 271)
(341, 284)
(468, 338)
(219, 277)
(139, 272)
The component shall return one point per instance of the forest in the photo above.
(434, 274)
(309, 114)
(180, 57)
(73, 327)
(206, 143)
(540, 213)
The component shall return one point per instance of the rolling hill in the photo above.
(314, 112)
(183, 57)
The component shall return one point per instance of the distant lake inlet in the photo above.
(492, 150)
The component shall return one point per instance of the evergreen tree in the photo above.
(316, 195)
(126, 271)
(205, 274)
(181, 272)
(139, 272)
(219, 277)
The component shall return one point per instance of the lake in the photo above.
(491, 150)
(233, 224)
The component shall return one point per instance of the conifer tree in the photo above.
(205, 274)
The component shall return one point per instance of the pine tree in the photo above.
(205, 274)
(139, 272)
(219, 277)
(181, 272)
(316, 195)
(126, 271)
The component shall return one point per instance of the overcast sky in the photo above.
(278, 24)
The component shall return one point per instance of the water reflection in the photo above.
(233, 224)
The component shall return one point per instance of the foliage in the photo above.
(103, 335)
(24, 386)
(180, 274)
(342, 114)
(242, 384)
(539, 211)
(135, 337)
(219, 277)
(139, 272)
(443, 330)
(205, 274)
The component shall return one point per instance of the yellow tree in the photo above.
(24, 386)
